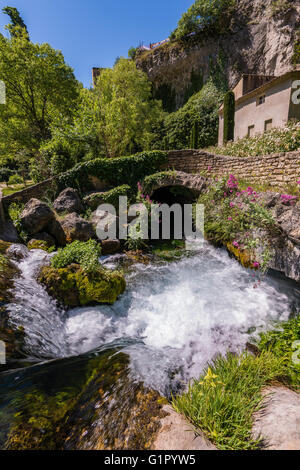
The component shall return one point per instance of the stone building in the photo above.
(263, 102)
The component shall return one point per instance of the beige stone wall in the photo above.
(276, 107)
(277, 170)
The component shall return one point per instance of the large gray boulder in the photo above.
(68, 201)
(77, 228)
(36, 216)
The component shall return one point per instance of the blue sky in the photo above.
(93, 33)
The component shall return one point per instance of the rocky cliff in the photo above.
(260, 40)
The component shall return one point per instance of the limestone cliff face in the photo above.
(258, 42)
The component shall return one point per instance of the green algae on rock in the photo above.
(7, 272)
(73, 286)
(40, 245)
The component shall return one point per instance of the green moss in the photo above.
(7, 273)
(40, 245)
(73, 286)
(4, 246)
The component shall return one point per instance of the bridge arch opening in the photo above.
(171, 195)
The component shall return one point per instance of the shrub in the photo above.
(229, 112)
(281, 343)
(222, 402)
(14, 211)
(202, 108)
(15, 179)
(114, 171)
(206, 16)
(276, 140)
(5, 174)
(86, 254)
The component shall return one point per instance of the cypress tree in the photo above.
(229, 114)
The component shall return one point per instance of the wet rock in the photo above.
(73, 287)
(177, 434)
(8, 232)
(110, 247)
(56, 230)
(68, 201)
(77, 228)
(278, 422)
(36, 216)
(17, 252)
(114, 412)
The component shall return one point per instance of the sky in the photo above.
(93, 33)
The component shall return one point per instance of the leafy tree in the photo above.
(39, 87)
(205, 15)
(17, 25)
(132, 53)
(123, 109)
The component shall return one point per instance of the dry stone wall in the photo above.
(278, 170)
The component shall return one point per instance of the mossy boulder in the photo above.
(73, 286)
(7, 272)
(40, 245)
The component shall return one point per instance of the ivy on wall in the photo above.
(296, 56)
(196, 84)
(166, 93)
(114, 171)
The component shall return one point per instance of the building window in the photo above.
(261, 100)
(268, 124)
(250, 131)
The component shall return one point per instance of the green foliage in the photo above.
(205, 16)
(279, 7)
(115, 171)
(201, 108)
(194, 136)
(39, 86)
(167, 95)
(15, 179)
(281, 343)
(296, 55)
(17, 24)
(40, 245)
(124, 109)
(14, 211)
(132, 53)
(86, 254)
(286, 139)
(222, 402)
(112, 196)
(5, 174)
(229, 114)
(196, 83)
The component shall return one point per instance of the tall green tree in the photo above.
(124, 110)
(39, 87)
(17, 25)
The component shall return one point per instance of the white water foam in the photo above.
(183, 314)
(172, 319)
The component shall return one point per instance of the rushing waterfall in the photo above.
(172, 319)
(33, 309)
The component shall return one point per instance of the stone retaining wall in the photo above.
(279, 170)
(37, 191)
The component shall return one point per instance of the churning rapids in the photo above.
(172, 319)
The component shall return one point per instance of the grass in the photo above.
(222, 402)
(15, 188)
